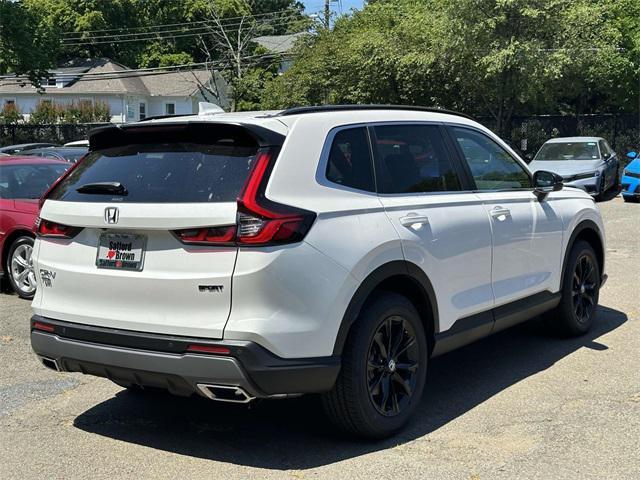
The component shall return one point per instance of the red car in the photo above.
(22, 181)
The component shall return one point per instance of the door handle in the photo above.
(497, 212)
(414, 220)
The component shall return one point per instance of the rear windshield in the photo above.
(162, 173)
(569, 151)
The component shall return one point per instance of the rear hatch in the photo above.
(126, 237)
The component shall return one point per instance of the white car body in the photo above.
(475, 254)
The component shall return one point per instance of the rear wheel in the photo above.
(19, 267)
(384, 367)
(580, 292)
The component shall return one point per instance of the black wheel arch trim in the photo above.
(581, 227)
(373, 281)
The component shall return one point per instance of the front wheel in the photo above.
(384, 367)
(580, 292)
(20, 268)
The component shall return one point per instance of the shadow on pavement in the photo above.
(294, 434)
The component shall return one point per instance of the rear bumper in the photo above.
(152, 360)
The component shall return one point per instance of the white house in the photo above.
(130, 95)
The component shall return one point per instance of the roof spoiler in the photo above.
(203, 132)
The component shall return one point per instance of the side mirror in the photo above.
(546, 182)
(632, 155)
(606, 156)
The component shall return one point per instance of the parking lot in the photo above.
(520, 404)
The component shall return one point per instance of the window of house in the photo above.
(9, 101)
(142, 110)
(491, 166)
(51, 82)
(169, 108)
(350, 162)
(412, 159)
(130, 111)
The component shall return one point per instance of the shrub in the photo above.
(10, 114)
(47, 112)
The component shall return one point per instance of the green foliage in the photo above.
(45, 112)
(24, 49)
(485, 57)
(10, 114)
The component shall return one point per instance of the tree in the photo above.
(23, 48)
(485, 57)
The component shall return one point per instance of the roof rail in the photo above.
(158, 117)
(342, 108)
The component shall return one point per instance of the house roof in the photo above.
(279, 43)
(155, 84)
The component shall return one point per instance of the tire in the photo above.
(357, 405)
(602, 189)
(20, 269)
(576, 312)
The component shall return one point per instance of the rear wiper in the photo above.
(104, 188)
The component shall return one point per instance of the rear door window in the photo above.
(350, 162)
(162, 173)
(412, 159)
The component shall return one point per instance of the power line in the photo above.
(209, 23)
(224, 20)
(158, 36)
(217, 65)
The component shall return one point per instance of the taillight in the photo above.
(208, 235)
(62, 177)
(260, 221)
(44, 327)
(47, 228)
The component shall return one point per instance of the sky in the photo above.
(314, 6)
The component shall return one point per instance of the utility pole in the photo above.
(327, 13)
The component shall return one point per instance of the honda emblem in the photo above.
(111, 215)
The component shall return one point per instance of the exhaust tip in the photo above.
(225, 393)
(50, 363)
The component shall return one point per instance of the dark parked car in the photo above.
(22, 181)
(69, 154)
(23, 147)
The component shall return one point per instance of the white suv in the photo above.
(329, 250)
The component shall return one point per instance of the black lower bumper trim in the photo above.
(163, 361)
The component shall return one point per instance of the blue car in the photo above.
(631, 179)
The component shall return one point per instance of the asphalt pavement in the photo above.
(520, 404)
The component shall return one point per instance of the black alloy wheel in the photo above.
(584, 288)
(392, 366)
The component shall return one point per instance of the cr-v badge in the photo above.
(111, 215)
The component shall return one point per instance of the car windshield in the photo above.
(28, 180)
(569, 151)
